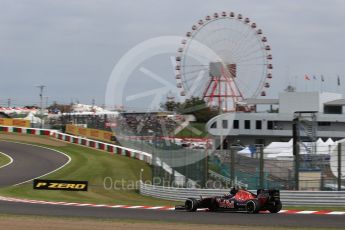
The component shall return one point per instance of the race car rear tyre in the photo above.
(213, 207)
(252, 206)
(191, 204)
(276, 208)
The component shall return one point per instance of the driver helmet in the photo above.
(233, 191)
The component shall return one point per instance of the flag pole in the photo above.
(306, 78)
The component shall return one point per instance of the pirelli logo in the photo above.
(60, 185)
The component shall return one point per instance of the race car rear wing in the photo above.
(273, 194)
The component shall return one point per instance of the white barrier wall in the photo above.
(304, 198)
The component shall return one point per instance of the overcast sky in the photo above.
(72, 46)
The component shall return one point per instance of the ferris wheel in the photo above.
(241, 67)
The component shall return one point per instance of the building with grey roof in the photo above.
(321, 115)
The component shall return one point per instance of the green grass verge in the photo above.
(188, 131)
(4, 159)
(93, 166)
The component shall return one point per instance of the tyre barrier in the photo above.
(291, 198)
(32, 131)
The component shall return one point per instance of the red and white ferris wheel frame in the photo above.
(181, 52)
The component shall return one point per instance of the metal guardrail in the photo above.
(293, 198)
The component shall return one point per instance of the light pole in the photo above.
(221, 127)
(153, 159)
(295, 149)
(41, 87)
(46, 98)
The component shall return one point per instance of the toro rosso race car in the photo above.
(237, 200)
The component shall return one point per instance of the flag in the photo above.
(314, 77)
(306, 77)
(322, 79)
(338, 80)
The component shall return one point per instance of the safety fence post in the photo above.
(232, 166)
(339, 166)
(261, 151)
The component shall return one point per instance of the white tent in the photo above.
(277, 147)
(246, 152)
(31, 117)
(284, 150)
(329, 141)
(82, 108)
(281, 156)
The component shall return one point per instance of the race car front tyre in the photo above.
(252, 206)
(276, 208)
(191, 204)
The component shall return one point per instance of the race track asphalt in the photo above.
(28, 162)
(286, 220)
(31, 161)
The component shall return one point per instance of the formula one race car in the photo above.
(237, 200)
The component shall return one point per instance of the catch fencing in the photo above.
(276, 167)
